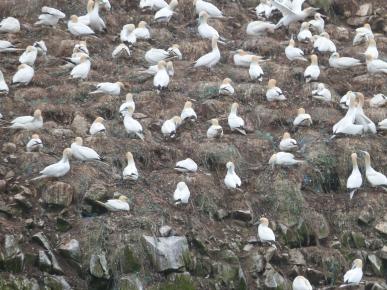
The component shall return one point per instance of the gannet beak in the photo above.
(256, 223)
(323, 16)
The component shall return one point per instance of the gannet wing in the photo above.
(297, 5)
(281, 6)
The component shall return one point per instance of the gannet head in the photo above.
(35, 136)
(358, 263)
(181, 185)
(264, 221)
(300, 111)
(187, 105)
(22, 66)
(142, 24)
(214, 122)
(335, 55)
(272, 83)
(129, 156)
(230, 165)
(173, 4)
(234, 108)
(129, 97)
(286, 136)
(130, 110)
(367, 25)
(305, 25)
(273, 159)
(325, 34)
(226, 81)
(320, 86)
(291, 42)
(360, 98)
(90, 5)
(67, 152)
(78, 141)
(121, 85)
(37, 113)
(317, 16)
(74, 18)
(241, 52)
(30, 48)
(177, 120)
(175, 46)
(203, 15)
(129, 27)
(255, 59)
(314, 59)
(161, 64)
(354, 158)
(99, 120)
(123, 198)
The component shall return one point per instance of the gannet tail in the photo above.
(351, 194)
(39, 177)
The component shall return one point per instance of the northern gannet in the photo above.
(273, 92)
(354, 275)
(181, 194)
(154, 55)
(113, 89)
(301, 283)
(312, 72)
(283, 159)
(226, 88)
(302, 118)
(186, 165)
(212, 58)
(259, 28)
(344, 101)
(294, 53)
(355, 180)
(165, 13)
(174, 51)
(264, 9)
(188, 113)
(24, 74)
(322, 43)
(78, 28)
(232, 180)
(242, 58)
(374, 177)
(81, 47)
(318, 23)
(29, 56)
(127, 34)
(3, 85)
(235, 122)
(372, 49)
(210, 8)
(120, 204)
(132, 126)
(382, 125)
(161, 78)
(85, 19)
(142, 31)
(58, 169)
(169, 127)
(83, 153)
(130, 171)
(128, 103)
(375, 66)
(322, 93)
(378, 100)
(362, 34)
(81, 71)
(97, 127)
(215, 130)
(265, 234)
(96, 22)
(41, 47)
(342, 62)
(346, 125)
(152, 70)
(6, 46)
(10, 25)
(35, 143)
(361, 118)
(75, 59)
(255, 70)
(292, 11)
(50, 16)
(153, 4)
(287, 143)
(28, 122)
(121, 50)
(304, 35)
(205, 30)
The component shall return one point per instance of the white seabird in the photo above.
(242, 58)
(265, 234)
(120, 204)
(58, 169)
(81, 71)
(161, 78)
(41, 47)
(322, 43)
(169, 127)
(235, 122)
(382, 125)
(81, 47)
(50, 16)
(283, 159)
(362, 34)
(264, 9)
(96, 22)
(188, 113)
(255, 70)
(165, 13)
(6, 46)
(302, 118)
(35, 143)
(226, 88)
(301, 283)
(181, 194)
(9, 25)
(154, 55)
(210, 8)
(152, 70)
(378, 100)
(128, 103)
(322, 93)
(361, 118)
(85, 19)
(142, 31)
(186, 165)
(29, 55)
(372, 49)
(205, 30)
(232, 180)
(174, 51)
(374, 177)
(287, 143)
(304, 35)
(212, 58)
(312, 72)
(344, 100)
(130, 172)
(28, 122)
(355, 180)
(375, 66)
(294, 53)
(346, 125)
(24, 74)
(292, 11)
(342, 62)
(318, 23)
(83, 153)
(127, 34)
(78, 28)
(355, 274)
(259, 28)
(113, 89)
(132, 126)
(121, 50)
(273, 92)
(215, 130)
(97, 126)
(153, 4)
(3, 85)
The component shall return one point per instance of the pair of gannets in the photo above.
(265, 233)
(161, 78)
(186, 166)
(128, 103)
(322, 93)
(318, 23)
(113, 89)
(59, 169)
(312, 72)
(80, 49)
(181, 194)
(29, 55)
(96, 22)
(226, 88)
(169, 127)
(24, 74)
(127, 34)
(294, 53)
(259, 28)
(132, 126)
(153, 4)
(9, 25)
(362, 34)
(287, 143)
(292, 11)
(264, 9)
(323, 44)
(35, 143)
(375, 66)
(165, 13)
(273, 92)
(4, 89)
(302, 119)
(78, 28)
(188, 113)
(212, 58)
(235, 122)
(97, 127)
(283, 159)
(305, 35)
(232, 180)
(130, 171)
(50, 16)
(83, 153)
(215, 130)
(342, 62)
(119, 204)
(28, 122)
(378, 100)
(81, 71)
(211, 9)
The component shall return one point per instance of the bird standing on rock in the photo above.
(188, 113)
(287, 143)
(232, 180)
(83, 153)
(235, 122)
(294, 53)
(58, 169)
(181, 194)
(130, 171)
(35, 143)
(97, 127)
(266, 234)
(355, 274)
(312, 72)
(28, 122)
(255, 70)
(374, 177)
(161, 78)
(226, 88)
(273, 92)
(355, 180)
(215, 130)
(210, 59)
(169, 127)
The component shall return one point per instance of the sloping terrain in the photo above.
(319, 230)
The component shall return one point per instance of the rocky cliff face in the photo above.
(53, 234)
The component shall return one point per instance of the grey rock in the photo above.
(367, 215)
(9, 147)
(248, 247)
(44, 261)
(55, 264)
(243, 215)
(13, 256)
(259, 263)
(98, 266)
(296, 257)
(221, 214)
(71, 250)
(358, 240)
(382, 227)
(11, 247)
(274, 280)
(54, 282)
(376, 286)
(357, 21)
(59, 194)
(270, 251)
(166, 253)
(376, 264)
(364, 10)
(129, 283)
(165, 231)
(96, 192)
(80, 125)
(383, 253)
(41, 239)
